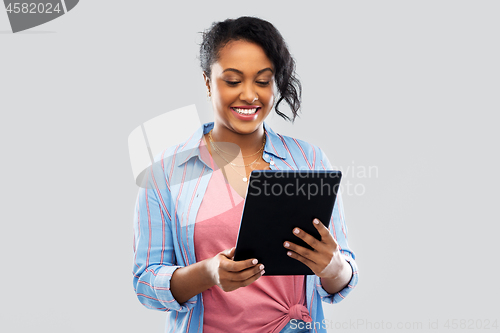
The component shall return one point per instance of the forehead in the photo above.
(242, 55)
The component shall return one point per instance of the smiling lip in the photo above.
(245, 116)
(246, 107)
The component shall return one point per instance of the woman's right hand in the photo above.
(230, 275)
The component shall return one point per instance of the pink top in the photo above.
(266, 305)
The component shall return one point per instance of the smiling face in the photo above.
(241, 80)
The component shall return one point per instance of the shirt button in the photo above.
(266, 156)
(272, 162)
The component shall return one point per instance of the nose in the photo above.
(248, 94)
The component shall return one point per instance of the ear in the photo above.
(207, 80)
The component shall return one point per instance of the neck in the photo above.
(248, 143)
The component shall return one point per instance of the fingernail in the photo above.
(287, 244)
(255, 261)
(261, 267)
(296, 231)
(262, 272)
(289, 253)
(316, 221)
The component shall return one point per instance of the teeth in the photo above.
(245, 111)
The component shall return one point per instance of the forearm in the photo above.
(191, 280)
(338, 283)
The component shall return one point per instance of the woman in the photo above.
(187, 216)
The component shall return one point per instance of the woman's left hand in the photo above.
(325, 260)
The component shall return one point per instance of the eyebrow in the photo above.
(240, 72)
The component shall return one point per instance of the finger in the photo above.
(228, 253)
(238, 266)
(303, 260)
(326, 236)
(337, 247)
(232, 253)
(253, 278)
(302, 251)
(323, 231)
(233, 285)
(310, 240)
(247, 274)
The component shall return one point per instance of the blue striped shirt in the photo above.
(165, 214)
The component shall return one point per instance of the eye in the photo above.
(263, 83)
(232, 83)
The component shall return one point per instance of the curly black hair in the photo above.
(264, 34)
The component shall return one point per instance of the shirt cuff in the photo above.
(339, 296)
(165, 296)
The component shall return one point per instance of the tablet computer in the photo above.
(276, 202)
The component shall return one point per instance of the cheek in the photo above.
(226, 95)
(267, 97)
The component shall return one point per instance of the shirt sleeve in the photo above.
(154, 251)
(338, 229)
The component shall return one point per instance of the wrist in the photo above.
(207, 265)
(337, 268)
(344, 270)
(338, 281)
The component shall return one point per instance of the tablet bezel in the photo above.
(279, 223)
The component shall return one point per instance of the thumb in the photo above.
(229, 253)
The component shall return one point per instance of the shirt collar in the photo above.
(274, 144)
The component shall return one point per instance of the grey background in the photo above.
(408, 87)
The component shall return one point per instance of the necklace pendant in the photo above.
(245, 179)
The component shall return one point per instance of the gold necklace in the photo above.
(212, 139)
(245, 179)
(231, 163)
